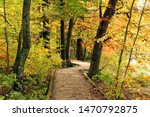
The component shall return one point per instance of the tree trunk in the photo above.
(6, 37)
(101, 31)
(117, 85)
(69, 34)
(62, 36)
(131, 50)
(25, 45)
(135, 39)
(84, 54)
(45, 33)
(79, 49)
(95, 59)
(124, 42)
(16, 64)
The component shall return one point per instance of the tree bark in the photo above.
(16, 64)
(62, 36)
(25, 45)
(84, 54)
(45, 33)
(101, 31)
(95, 59)
(79, 49)
(69, 34)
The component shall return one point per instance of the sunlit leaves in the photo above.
(70, 8)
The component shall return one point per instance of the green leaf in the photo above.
(2, 97)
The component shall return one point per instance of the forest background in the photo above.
(39, 36)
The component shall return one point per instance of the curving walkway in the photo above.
(71, 84)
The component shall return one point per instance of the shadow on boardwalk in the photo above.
(71, 84)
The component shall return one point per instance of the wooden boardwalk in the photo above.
(71, 84)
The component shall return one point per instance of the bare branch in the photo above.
(145, 25)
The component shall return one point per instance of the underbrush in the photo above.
(130, 89)
(39, 65)
(34, 88)
(134, 86)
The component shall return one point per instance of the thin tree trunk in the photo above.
(135, 39)
(6, 37)
(117, 94)
(45, 33)
(124, 43)
(62, 36)
(62, 30)
(131, 51)
(69, 34)
(101, 31)
(25, 45)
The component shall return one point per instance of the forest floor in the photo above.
(71, 84)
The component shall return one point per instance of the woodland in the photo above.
(38, 37)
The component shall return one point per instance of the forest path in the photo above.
(71, 84)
